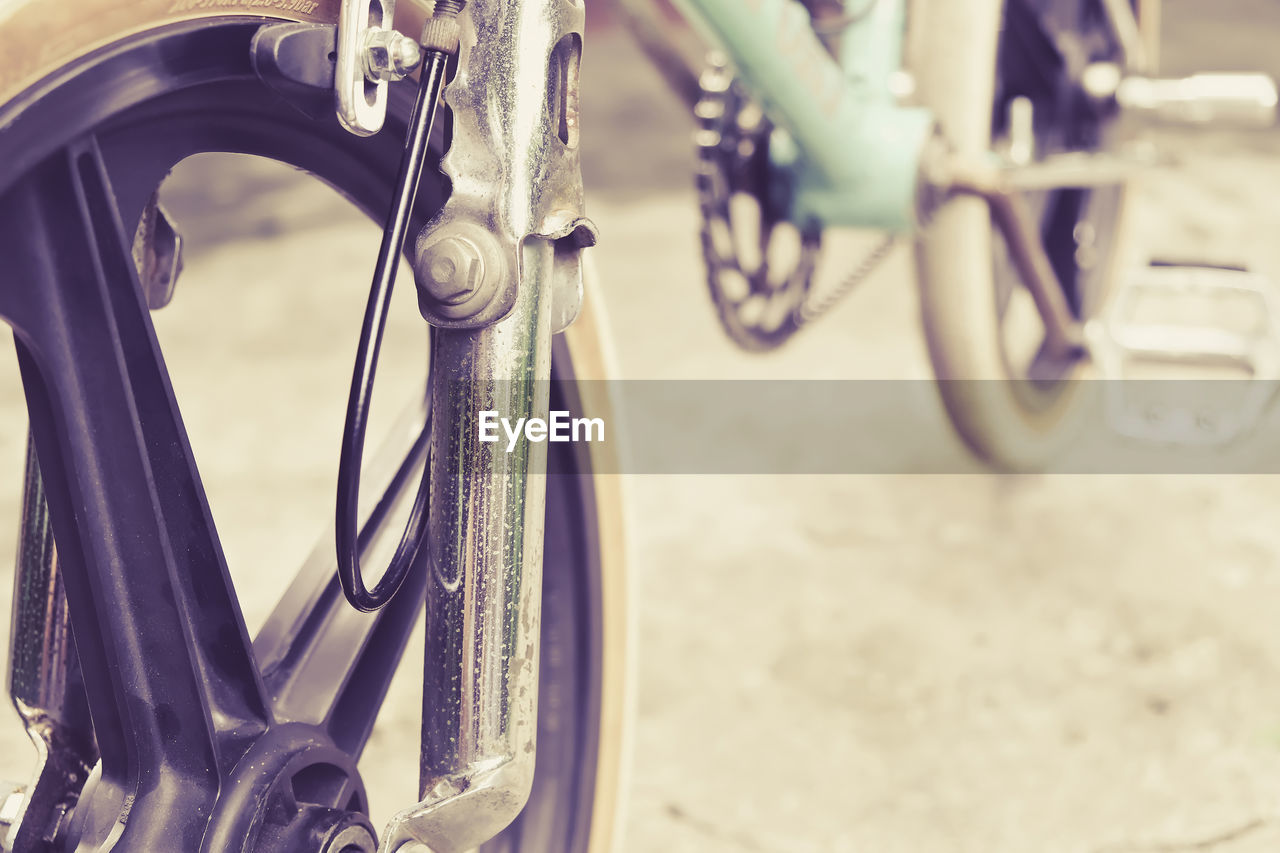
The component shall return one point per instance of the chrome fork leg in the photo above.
(484, 594)
(498, 271)
(44, 680)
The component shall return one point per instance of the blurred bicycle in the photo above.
(994, 134)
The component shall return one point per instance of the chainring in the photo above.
(759, 298)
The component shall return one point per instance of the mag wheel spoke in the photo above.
(173, 689)
(1033, 56)
(45, 682)
(324, 662)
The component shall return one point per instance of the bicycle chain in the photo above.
(733, 144)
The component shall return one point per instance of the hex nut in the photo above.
(389, 55)
(458, 267)
(454, 269)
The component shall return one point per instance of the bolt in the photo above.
(448, 8)
(389, 55)
(57, 822)
(443, 270)
(451, 269)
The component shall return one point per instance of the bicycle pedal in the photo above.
(1214, 330)
(1217, 99)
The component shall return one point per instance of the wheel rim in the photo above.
(189, 89)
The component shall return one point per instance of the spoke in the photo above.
(350, 796)
(1057, 229)
(173, 690)
(1124, 24)
(45, 682)
(1034, 62)
(323, 661)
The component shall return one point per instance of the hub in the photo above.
(294, 791)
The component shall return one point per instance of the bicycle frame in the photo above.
(848, 152)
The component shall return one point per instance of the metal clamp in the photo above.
(514, 166)
(368, 57)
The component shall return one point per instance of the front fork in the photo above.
(498, 272)
(480, 682)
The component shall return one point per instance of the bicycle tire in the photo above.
(1010, 422)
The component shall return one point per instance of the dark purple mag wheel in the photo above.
(195, 737)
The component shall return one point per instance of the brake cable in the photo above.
(440, 41)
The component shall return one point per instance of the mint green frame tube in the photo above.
(856, 154)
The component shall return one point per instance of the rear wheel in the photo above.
(185, 714)
(999, 75)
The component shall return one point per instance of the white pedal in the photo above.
(1191, 354)
(1222, 100)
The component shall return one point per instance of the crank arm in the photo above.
(1064, 336)
(1233, 100)
(1237, 100)
(1075, 170)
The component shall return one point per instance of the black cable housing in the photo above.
(346, 532)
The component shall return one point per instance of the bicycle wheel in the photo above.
(207, 743)
(976, 63)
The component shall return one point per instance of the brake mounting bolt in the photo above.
(452, 269)
(390, 55)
